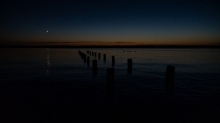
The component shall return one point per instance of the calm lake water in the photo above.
(39, 80)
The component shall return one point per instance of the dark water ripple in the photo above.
(55, 85)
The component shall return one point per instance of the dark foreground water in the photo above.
(55, 85)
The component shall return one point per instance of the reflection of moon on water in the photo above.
(48, 62)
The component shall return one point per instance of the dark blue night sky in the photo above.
(146, 22)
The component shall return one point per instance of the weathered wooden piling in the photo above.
(170, 73)
(94, 67)
(110, 82)
(99, 55)
(95, 54)
(92, 53)
(104, 57)
(129, 70)
(113, 60)
(81, 54)
(84, 57)
(169, 79)
(88, 61)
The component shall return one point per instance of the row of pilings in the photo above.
(169, 73)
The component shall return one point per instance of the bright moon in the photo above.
(47, 31)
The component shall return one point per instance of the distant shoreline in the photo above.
(138, 46)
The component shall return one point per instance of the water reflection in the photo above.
(48, 61)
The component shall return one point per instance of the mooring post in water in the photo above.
(92, 53)
(94, 67)
(170, 73)
(129, 66)
(110, 82)
(99, 55)
(84, 58)
(82, 55)
(113, 60)
(95, 54)
(88, 61)
(169, 79)
(104, 57)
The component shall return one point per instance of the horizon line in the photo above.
(110, 46)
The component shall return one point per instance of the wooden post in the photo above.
(129, 66)
(94, 67)
(82, 54)
(104, 57)
(88, 61)
(99, 55)
(84, 57)
(169, 79)
(110, 82)
(113, 60)
(170, 73)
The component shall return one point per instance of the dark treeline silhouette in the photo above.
(111, 46)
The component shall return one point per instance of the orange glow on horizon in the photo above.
(104, 43)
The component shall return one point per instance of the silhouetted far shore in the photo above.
(115, 46)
